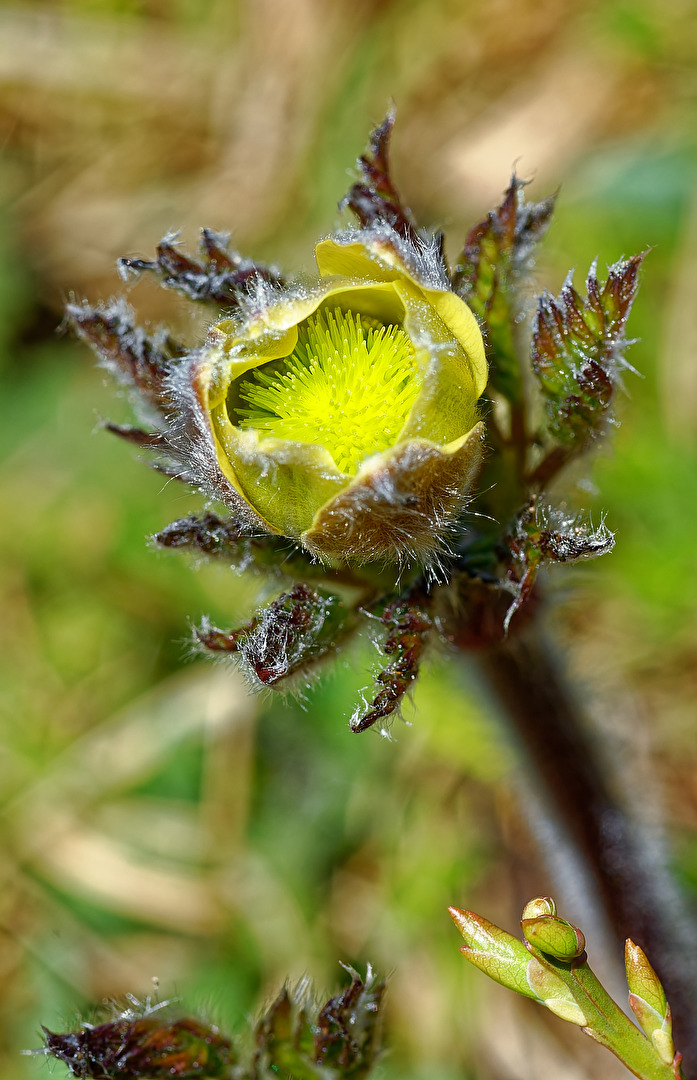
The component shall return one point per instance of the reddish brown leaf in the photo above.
(123, 347)
(135, 1048)
(497, 253)
(374, 198)
(222, 277)
(578, 351)
(408, 625)
(546, 534)
(148, 440)
(287, 636)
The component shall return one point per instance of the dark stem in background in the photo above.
(524, 677)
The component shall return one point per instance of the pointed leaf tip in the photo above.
(374, 199)
(494, 951)
(488, 276)
(642, 979)
(648, 1002)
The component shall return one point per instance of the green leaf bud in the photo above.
(648, 1001)
(555, 936)
(501, 956)
(541, 905)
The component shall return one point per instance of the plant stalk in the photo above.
(637, 896)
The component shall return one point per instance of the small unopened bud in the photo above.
(555, 936)
(130, 1047)
(648, 1001)
(505, 959)
(541, 905)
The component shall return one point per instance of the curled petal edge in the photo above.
(402, 504)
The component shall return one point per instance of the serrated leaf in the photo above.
(277, 1040)
(374, 198)
(133, 1047)
(488, 273)
(340, 1039)
(348, 1027)
(407, 623)
(543, 534)
(288, 635)
(295, 1038)
(229, 540)
(578, 351)
(221, 276)
(136, 359)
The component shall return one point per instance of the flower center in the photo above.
(348, 385)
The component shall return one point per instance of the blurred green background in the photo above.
(157, 822)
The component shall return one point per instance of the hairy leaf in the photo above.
(136, 359)
(340, 1040)
(287, 636)
(547, 534)
(578, 351)
(374, 198)
(229, 539)
(130, 1047)
(408, 624)
(220, 276)
(296, 1037)
(497, 252)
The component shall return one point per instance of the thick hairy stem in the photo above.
(636, 894)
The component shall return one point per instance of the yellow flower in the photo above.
(345, 414)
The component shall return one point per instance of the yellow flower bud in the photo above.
(345, 414)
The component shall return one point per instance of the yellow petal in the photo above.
(402, 503)
(353, 261)
(380, 262)
(446, 407)
(286, 482)
(465, 328)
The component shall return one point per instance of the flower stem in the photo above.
(638, 898)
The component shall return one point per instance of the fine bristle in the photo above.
(348, 385)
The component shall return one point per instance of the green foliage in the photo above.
(578, 352)
(302, 1040)
(551, 966)
(498, 254)
(94, 628)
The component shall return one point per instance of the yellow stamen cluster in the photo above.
(348, 386)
